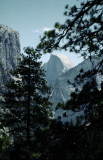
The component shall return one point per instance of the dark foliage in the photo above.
(25, 111)
(81, 32)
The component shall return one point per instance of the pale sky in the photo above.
(31, 17)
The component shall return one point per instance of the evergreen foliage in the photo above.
(81, 32)
(25, 110)
(5, 142)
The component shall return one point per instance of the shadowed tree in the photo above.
(81, 33)
(25, 110)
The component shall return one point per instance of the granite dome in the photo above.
(56, 66)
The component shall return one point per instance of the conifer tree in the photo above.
(84, 20)
(25, 107)
(82, 33)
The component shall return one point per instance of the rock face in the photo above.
(63, 85)
(60, 70)
(9, 52)
(61, 89)
(56, 66)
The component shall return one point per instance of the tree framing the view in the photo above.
(25, 109)
(81, 32)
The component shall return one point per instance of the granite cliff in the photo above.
(9, 52)
(56, 66)
(61, 89)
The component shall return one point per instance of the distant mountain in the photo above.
(60, 70)
(62, 89)
(56, 66)
(9, 52)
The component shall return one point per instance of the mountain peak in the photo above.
(67, 61)
(6, 28)
(56, 66)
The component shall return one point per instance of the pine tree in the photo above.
(82, 33)
(26, 105)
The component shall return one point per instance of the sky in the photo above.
(32, 17)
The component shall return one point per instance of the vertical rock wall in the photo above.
(9, 52)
